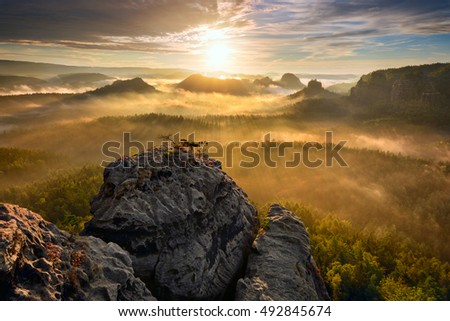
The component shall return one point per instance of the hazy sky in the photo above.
(251, 36)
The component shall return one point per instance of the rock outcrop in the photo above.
(291, 81)
(186, 224)
(314, 90)
(280, 266)
(167, 221)
(40, 262)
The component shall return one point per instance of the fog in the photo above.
(28, 90)
(227, 117)
(393, 174)
(31, 110)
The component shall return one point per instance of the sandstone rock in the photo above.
(40, 262)
(291, 81)
(280, 266)
(402, 90)
(185, 222)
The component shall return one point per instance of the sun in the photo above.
(216, 48)
(218, 56)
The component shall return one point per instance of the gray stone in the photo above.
(280, 266)
(40, 262)
(186, 223)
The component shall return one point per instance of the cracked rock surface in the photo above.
(185, 222)
(280, 266)
(40, 262)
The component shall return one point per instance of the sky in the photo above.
(237, 36)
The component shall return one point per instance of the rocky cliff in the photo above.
(186, 224)
(40, 262)
(426, 83)
(280, 266)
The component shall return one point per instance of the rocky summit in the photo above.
(40, 262)
(185, 222)
(280, 266)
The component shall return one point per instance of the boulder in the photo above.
(40, 262)
(280, 266)
(185, 222)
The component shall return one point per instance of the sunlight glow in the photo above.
(218, 56)
(217, 50)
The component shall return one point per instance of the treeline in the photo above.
(62, 198)
(363, 264)
(13, 160)
(17, 164)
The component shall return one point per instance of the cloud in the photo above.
(385, 16)
(100, 24)
(86, 23)
(267, 33)
(337, 35)
(318, 30)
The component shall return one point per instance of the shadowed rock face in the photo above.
(280, 266)
(40, 262)
(187, 224)
(411, 83)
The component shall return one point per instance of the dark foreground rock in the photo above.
(280, 266)
(40, 262)
(186, 224)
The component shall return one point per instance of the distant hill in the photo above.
(335, 77)
(425, 83)
(264, 82)
(200, 83)
(82, 78)
(61, 83)
(343, 88)
(136, 85)
(8, 83)
(313, 90)
(287, 81)
(45, 70)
